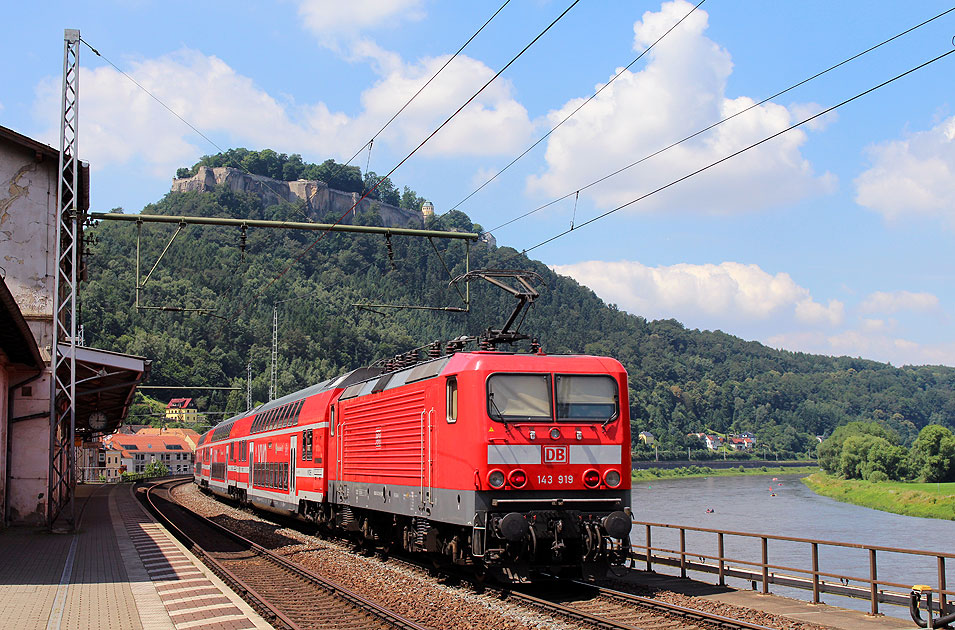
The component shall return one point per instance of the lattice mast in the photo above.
(273, 383)
(248, 386)
(62, 478)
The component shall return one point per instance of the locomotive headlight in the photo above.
(518, 478)
(591, 478)
(555, 433)
(612, 478)
(495, 479)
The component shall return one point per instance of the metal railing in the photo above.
(765, 572)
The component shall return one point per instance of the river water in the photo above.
(784, 506)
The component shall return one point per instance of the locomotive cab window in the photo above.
(517, 397)
(452, 402)
(587, 397)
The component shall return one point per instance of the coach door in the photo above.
(293, 458)
(251, 467)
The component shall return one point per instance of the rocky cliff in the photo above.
(320, 200)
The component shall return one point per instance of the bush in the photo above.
(741, 469)
(877, 476)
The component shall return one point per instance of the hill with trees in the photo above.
(681, 381)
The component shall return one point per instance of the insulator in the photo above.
(434, 350)
(483, 344)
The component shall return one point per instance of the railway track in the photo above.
(286, 594)
(608, 609)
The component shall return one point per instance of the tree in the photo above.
(156, 469)
(932, 457)
(410, 200)
(385, 191)
(830, 451)
(864, 454)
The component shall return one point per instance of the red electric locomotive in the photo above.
(510, 463)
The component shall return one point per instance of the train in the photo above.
(515, 465)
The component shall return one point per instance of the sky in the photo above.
(831, 238)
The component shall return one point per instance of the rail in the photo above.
(766, 573)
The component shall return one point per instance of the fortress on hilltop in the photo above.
(320, 200)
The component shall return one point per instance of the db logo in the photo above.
(555, 454)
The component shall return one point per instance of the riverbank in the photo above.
(705, 471)
(926, 500)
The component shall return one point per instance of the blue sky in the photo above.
(833, 238)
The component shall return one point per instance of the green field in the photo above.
(705, 471)
(928, 500)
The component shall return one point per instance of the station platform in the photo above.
(797, 610)
(121, 570)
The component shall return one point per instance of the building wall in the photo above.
(28, 230)
(4, 423)
(29, 454)
(27, 254)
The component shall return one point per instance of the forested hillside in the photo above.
(681, 381)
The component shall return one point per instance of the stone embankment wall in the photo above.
(320, 200)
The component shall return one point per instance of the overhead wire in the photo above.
(720, 122)
(578, 108)
(731, 155)
(405, 159)
(421, 89)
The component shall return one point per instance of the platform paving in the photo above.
(120, 570)
(821, 614)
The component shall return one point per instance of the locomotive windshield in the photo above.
(586, 397)
(530, 397)
(513, 397)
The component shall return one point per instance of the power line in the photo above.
(578, 108)
(406, 158)
(730, 156)
(421, 89)
(719, 122)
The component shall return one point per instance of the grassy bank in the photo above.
(705, 471)
(927, 500)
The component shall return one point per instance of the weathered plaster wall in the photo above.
(30, 454)
(27, 228)
(4, 420)
(27, 253)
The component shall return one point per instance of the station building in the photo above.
(138, 451)
(32, 491)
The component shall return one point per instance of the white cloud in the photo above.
(887, 303)
(493, 123)
(708, 296)
(121, 123)
(802, 111)
(333, 20)
(912, 176)
(681, 90)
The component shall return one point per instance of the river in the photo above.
(786, 507)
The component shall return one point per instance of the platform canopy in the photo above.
(105, 385)
(16, 340)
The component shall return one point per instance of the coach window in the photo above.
(586, 398)
(519, 397)
(452, 402)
